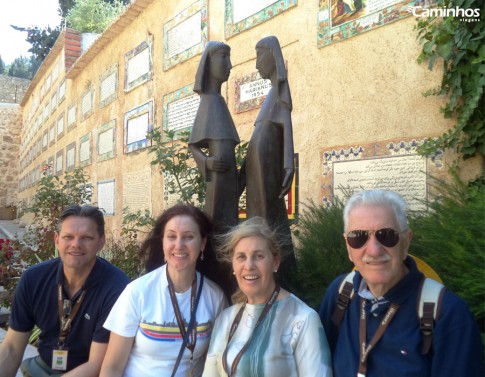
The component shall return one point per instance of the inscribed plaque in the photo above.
(106, 141)
(71, 116)
(241, 15)
(45, 140)
(184, 36)
(62, 91)
(138, 65)
(52, 134)
(403, 174)
(106, 197)
(108, 86)
(60, 126)
(251, 90)
(181, 113)
(59, 162)
(389, 164)
(85, 150)
(138, 122)
(342, 19)
(137, 190)
(87, 104)
(54, 102)
(71, 156)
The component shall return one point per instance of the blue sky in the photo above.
(23, 13)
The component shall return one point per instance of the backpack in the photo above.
(428, 306)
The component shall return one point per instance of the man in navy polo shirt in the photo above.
(68, 299)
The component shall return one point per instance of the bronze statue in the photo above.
(268, 169)
(214, 131)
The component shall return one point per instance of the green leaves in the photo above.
(173, 156)
(93, 16)
(460, 45)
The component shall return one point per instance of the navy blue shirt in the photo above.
(457, 346)
(35, 303)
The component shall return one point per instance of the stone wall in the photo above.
(10, 126)
(12, 89)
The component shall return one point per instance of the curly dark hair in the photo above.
(152, 247)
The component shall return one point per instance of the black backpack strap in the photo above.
(429, 300)
(345, 295)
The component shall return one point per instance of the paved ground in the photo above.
(30, 351)
(10, 230)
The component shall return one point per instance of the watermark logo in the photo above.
(464, 14)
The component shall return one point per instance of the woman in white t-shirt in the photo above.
(154, 331)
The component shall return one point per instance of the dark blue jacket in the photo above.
(457, 348)
(35, 303)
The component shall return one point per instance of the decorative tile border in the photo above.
(179, 42)
(272, 9)
(342, 19)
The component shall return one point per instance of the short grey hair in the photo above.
(382, 198)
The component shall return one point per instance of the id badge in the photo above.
(59, 359)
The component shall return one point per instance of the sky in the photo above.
(23, 13)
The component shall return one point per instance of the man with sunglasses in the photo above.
(377, 333)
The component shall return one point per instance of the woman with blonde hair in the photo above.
(268, 331)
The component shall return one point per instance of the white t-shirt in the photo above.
(289, 342)
(144, 311)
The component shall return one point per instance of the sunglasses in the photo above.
(387, 237)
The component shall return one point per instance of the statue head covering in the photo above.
(202, 71)
(283, 88)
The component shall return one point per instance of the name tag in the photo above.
(59, 359)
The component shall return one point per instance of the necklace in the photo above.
(235, 324)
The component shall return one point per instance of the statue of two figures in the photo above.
(268, 168)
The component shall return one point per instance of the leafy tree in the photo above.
(461, 46)
(93, 16)
(65, 6)
(41, 39)
(2, 66)
(20, 67)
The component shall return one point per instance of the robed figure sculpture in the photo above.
(268, 169)
(214, 138)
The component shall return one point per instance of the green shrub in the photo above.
(124, 251)
(320, 251)
(93, 16)
(450, 237)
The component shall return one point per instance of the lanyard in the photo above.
(178, 315)
(235, 325)
(66, 314)
(364, 348)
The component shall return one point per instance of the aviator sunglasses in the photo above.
(388, 237)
